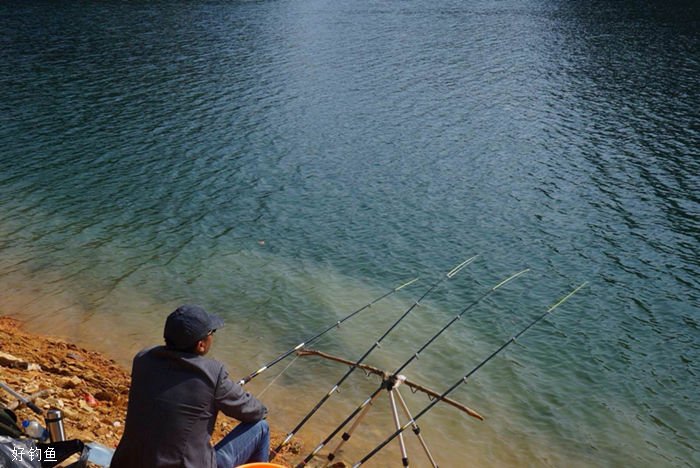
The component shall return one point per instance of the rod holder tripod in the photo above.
(390, 384)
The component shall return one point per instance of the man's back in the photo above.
(173, 402)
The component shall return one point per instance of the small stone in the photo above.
(31, 388)
(40, 402)
(103, 395)
(56, 403)
(8, 360)
(69, 413)
(75, 356)
(70, 382)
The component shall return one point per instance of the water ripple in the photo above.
(275, 160)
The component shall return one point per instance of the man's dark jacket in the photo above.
(173, 403)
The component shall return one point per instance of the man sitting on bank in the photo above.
(175, 396)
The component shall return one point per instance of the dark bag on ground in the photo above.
(8, 423)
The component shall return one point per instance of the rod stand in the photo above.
(390, 383)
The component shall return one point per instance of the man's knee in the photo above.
(263, 427)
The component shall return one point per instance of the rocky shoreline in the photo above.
(90, 389)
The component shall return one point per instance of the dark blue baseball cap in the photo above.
(188, 324)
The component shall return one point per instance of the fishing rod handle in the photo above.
(34, 408)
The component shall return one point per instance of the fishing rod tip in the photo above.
(407, 283)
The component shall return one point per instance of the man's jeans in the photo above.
(246, 443)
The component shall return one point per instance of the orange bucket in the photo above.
(260, 465)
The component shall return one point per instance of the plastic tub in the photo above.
(261, 465)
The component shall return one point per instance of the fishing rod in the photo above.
(22, 399)
(247, 379)
(391, 382)
(325, 398)
(464, 379)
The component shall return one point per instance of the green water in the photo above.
(284, 163)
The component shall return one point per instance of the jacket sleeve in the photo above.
(234, 401)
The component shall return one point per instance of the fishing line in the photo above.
(388, 385)
(278, 376)
(250, 377)
(335, 388)
(466, 377)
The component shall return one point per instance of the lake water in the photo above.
(285, 162)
